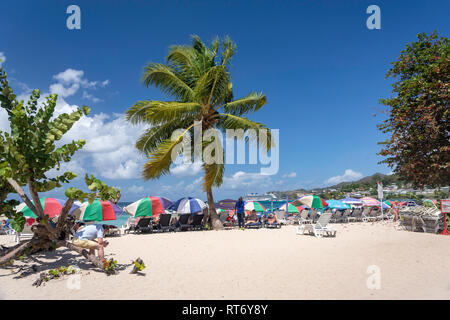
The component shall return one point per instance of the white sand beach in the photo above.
(254, 264)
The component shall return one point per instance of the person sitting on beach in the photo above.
(84, 237)
(252, 218)
(271, 218)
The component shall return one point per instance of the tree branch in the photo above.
(14, 251)
(92, 258)
(22, 195)
(35, 197)
(63, 215)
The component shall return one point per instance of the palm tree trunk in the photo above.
(216, 224)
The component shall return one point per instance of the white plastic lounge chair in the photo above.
(281, 215)
(25, 234)
(336, 217)
(365, 215)
(355, 215)
(320, 228)
(304, 217)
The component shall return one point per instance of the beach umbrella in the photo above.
(52, 207)
(99, 210)
(291, 208)
(370, 202)
(312, 201)
(148, 207)
(389, 202)
(430, 200)
(254, 205)
(188, 205)
(336, 204)
(352, 201)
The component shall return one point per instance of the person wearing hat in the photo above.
(91, 237)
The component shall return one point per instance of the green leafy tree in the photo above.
(27, 153)
(418, 148)
(198, 80)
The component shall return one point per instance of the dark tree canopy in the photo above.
(418, 147)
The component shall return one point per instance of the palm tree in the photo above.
(197, 79)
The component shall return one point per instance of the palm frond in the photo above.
(212, 86)
(160, 159)
(166, 79)
(159, 112)
(252, 130)
(153, 136)
(228, 49)
(183, 59)
(251, 103)
(213, 175)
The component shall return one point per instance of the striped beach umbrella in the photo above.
(188, 205)
(291, 208)
(148, 207)
(52, 207)
(370, 202)
(312, 201)
(352, 201)
(99, 210)
(336, 204)
(254, 205)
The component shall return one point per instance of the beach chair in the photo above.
(355, 215)
(275, 225)
(223, 217)
(320, 228)
(304, 217)
(281, 215)
(25, 234)
(183, 222)
(313, 215)
(375, 214)
(345, 216)
(228, 223)
(336, 217)
(255, 225)
(144, 225)
(164, 222)
(112, 231)
(197, 222)
(365, 215)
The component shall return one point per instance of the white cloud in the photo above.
(2, 58)
(89, 96)
(69, 76)
(62, 91)
(71, 80)
(290, 175)
(243, 179)
(187, 169)
(136, 189)
(109, 151)
(349, 175)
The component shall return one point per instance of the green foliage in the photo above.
(197, 77)
(29, 151)
(418, 148)
(139, 266)
(110, 265)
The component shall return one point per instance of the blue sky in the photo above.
(321, 68)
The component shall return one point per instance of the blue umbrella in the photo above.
(336, 204)
(188, 205)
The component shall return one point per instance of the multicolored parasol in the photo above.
(52, 207)
(148, 207)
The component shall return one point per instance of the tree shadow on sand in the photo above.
(45, 261)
